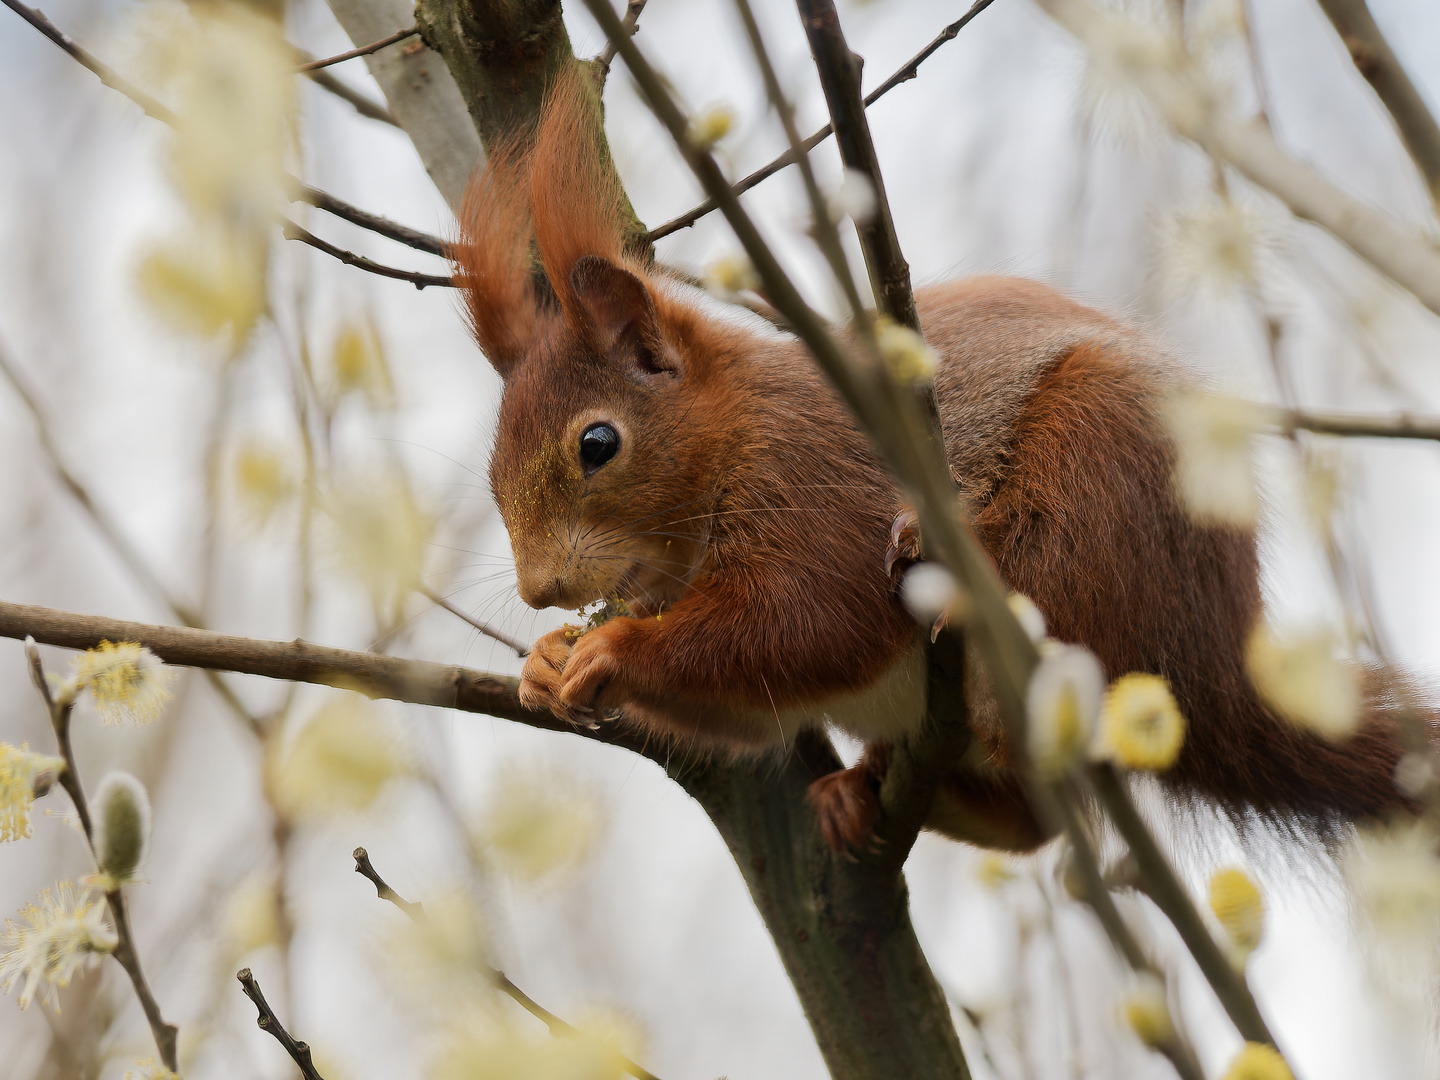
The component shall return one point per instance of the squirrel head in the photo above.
(597, 466)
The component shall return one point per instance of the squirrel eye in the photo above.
(598, 444)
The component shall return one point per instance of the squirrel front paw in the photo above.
(847, 801)
(594, 680)
(904, 549)
(543, 674)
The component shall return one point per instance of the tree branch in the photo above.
(521, 649)
(267, 1021)
(1403, 426)
(349, 258)
(1375, 60)
(839, 70)
(904, 74)
(364, 50)
(125, 953)
(403, 234)
(1181, 89)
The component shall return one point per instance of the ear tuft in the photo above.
(492, 257)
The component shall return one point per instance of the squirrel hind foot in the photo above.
(847, 801)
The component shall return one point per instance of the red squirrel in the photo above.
(711, 479)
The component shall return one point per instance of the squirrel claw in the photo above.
(904, 549)
(848, 807)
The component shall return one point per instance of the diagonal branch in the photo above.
(1185, 96)
(1375, 60)
(839, 70)
(630, 23)
(393, 230)
(267, 1021)
(905, 73)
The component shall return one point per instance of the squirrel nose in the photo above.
(539, 589)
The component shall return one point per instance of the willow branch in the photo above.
(904, 74)
(293, 231)
(1198, 112)
(557, 1026)
(1164, 887)
(267, 1021)
(363, 50)
(1375, 60)
(125, 953)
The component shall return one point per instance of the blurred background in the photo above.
(305, 479)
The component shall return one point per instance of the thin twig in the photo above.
(364, 50)
(558, 1027)
(267, 1021)
(372, 110)
(630, 23)
(1403, 426)
(904, 74)
(349, 258)
(403, 234)
(521, 649)
(125, 953)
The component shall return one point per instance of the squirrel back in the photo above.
(708, 483)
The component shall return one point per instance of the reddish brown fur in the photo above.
(747, 519)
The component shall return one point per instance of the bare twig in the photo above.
(521, 649)
(125, 953)
(365, 869)
(349, 258)
(323, 200)
(364, 50)
(630, 23)
(557, 1026)
(267, 1021)
(904, 74)
(1375, 60)
(1179, 86)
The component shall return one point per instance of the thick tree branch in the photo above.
(1184, 94)
(364, 50)
(904, 74)
(267, 1021)
(1375, 60)
(839, 70)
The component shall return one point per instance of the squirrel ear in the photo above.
(623, 316)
